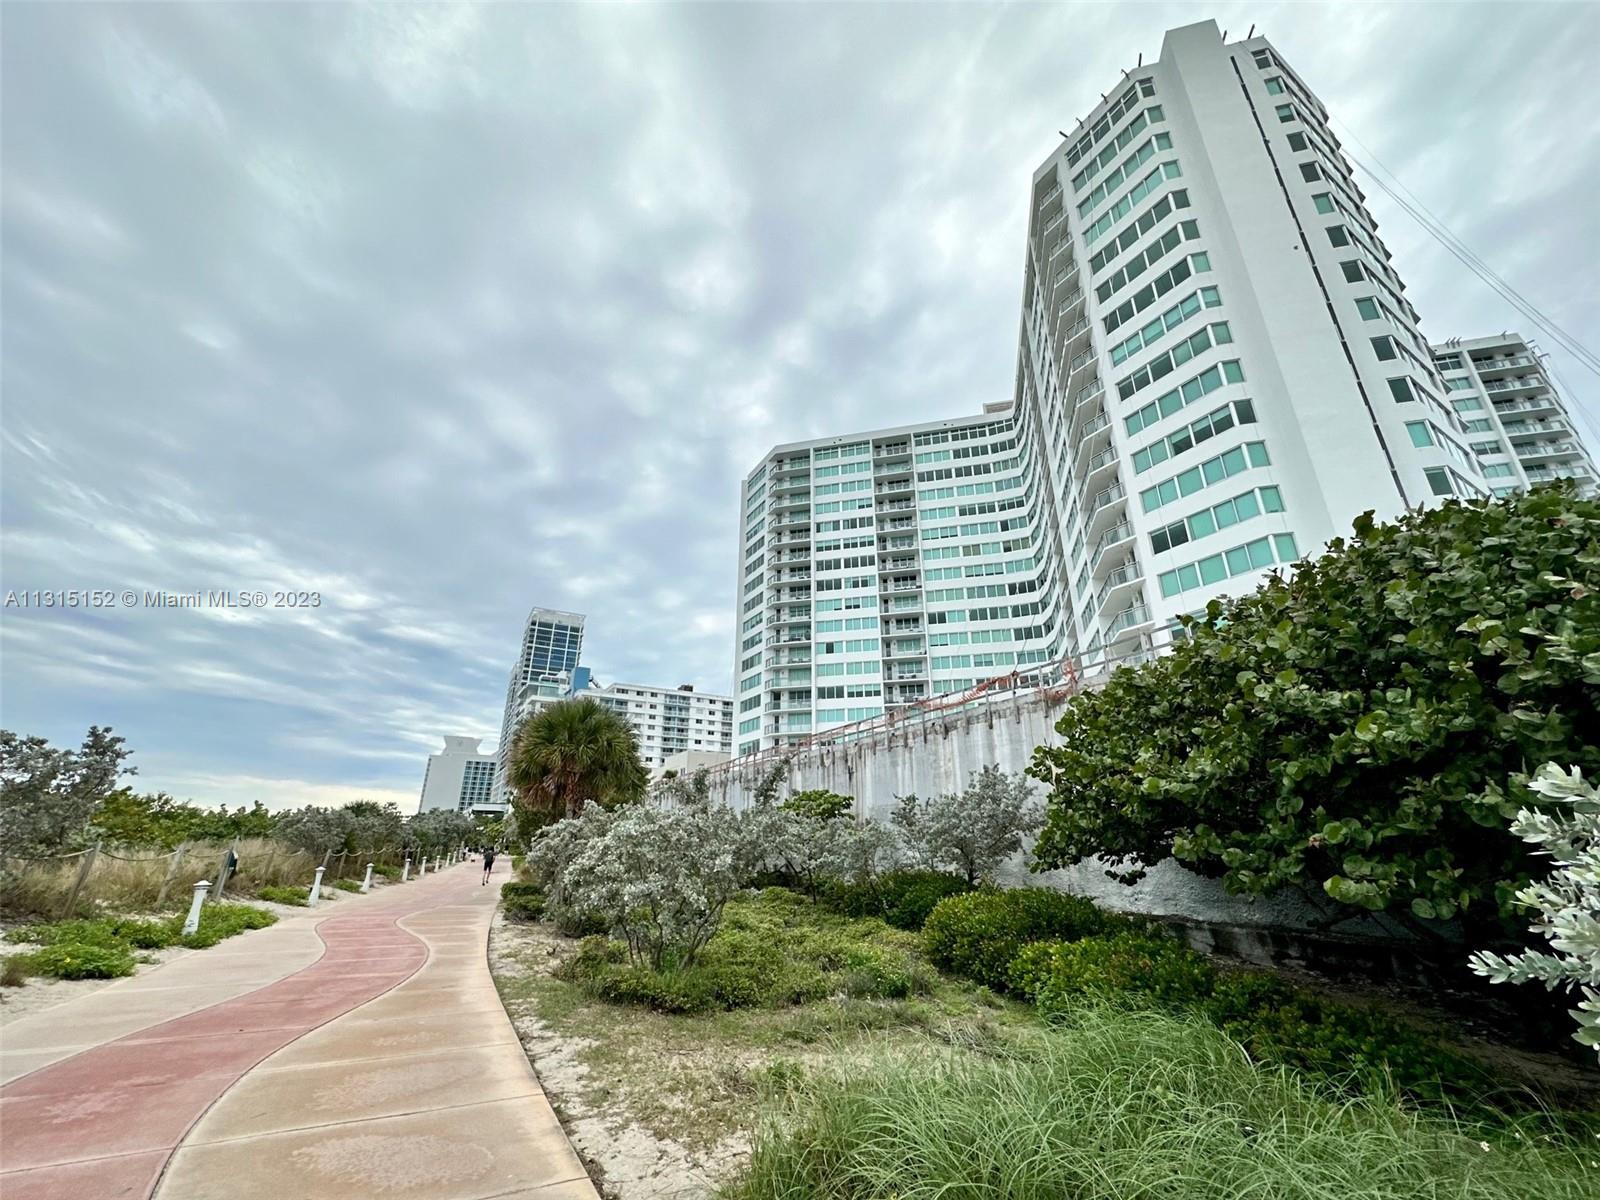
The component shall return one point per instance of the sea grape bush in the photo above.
(1360, 731)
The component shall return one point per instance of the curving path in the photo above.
(385, 1068)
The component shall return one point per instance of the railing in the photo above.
(1497, 364)
(1117, 533)
(1507, 385)
(1135, 614)
(1128, 572)
(1102, 498)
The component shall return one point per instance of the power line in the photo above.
(1420, 213)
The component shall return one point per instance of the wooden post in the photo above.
(77, 884)
(172, 872)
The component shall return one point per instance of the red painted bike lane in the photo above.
(102, 1124)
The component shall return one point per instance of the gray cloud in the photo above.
(444, 312)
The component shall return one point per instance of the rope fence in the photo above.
(95, 878)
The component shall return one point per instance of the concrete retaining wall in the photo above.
(941, 752)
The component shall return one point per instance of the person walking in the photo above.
(488, 863)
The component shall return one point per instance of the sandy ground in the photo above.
(626, 1160)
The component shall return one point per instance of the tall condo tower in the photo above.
(1216, 349)
(551, 643)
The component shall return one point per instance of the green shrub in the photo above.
(522, 901)
(100, 931)
(901, 898)
(386, 871)
(772, 951)
(347, 885)
(218, 921)
(81, 960)
(1354, 1047)
(1128, 968)
(1120, 1105)
(14, 970)
(977, 935)
(576, 923)
(278, 894)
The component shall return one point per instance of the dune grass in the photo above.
(1118, 1104)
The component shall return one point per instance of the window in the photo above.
(1421, 433)
(1251, 556)
(1439, 481)
(1310, 172)
(1352, 270)
(1297, 142)
(1488, 448)
(1180, 397)
(1274, 85)
(1338, 235)
(1323, 201)
(1213, 470)
(1402, 389)
(1383, 347)
(1368, 308)
(1285, 113)
(1263, 58)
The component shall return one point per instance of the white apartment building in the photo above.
(1516, 421)
(885, 568)
(551, 643)
(1221, 360)
(670, 721)
(1218, 370)
(460, 778)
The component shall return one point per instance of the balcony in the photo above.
(1487, 366)
(1546, 474)
(897, 543)
(1126, 621)
(884, 489)
(1515, 385)
(1546, 403)
(1114, 536)
(896, 505)
(1106, 458)
(1124, 576)
(1102, 506)
(1537, 429)
(897, 450)
(885, 565)
(1549, 451)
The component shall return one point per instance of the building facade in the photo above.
(551, 644)
(670, 721)
(882, 569)
(1218, 371)
(1219, 355)
(460, 778)
(1516, 422)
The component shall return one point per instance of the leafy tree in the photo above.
(972, 831)
(693, 790)
(47, 796)
(440, 829)
(555, 846)
(661, 877)
(820, 803)
(156, 819)
(1359, 731)
(572, 753)
(314, 829)
(1567, 903)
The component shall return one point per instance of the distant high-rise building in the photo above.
(1218, 370)
(669, 721)
(551, 644)
(460, 778)
(1516, 422)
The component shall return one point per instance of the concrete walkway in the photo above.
(386, 1067)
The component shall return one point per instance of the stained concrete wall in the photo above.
(939, 753)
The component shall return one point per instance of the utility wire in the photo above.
(1420, 213)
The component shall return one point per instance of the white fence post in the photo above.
(422, 869)
(366, 884)
(191, 923)
(405, 871)
(316, 889)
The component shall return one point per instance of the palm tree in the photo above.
(573, 752)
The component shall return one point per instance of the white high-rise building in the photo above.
(460, 778)
(1222, 359)
(1516, 421)
(551, 643)
(669, 721)
(1218, 370)
(885, 568)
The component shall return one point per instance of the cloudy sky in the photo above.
(442, 312)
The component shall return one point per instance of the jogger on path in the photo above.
(488, 863)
